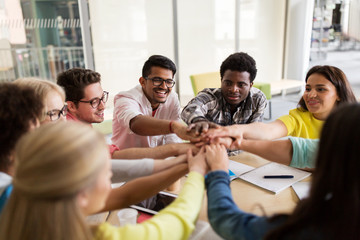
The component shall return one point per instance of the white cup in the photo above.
(127, 216)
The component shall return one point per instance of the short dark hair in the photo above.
(158, 61)
(240, 62)
(337, 78)
(75, 80)
(19, 107)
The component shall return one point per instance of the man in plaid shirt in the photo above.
(236, 102)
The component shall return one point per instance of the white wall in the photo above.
(125, 33)
(206, 38)
(262, 36)
(299, 26)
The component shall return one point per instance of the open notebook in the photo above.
(276, 185)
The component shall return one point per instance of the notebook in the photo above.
(276, 185)
(236, 169)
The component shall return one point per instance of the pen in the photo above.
(278, 176)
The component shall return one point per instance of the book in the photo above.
(274, 185)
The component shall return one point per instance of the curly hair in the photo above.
(20, 107)
(241, 62)
(75, 80)
(158, 61)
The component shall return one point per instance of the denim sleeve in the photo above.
(225, 217)
(304, 152)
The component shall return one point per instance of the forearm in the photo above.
(224, 216)
(161, 165)
(143, 188)
(126, 170)
(262, 131)
(149, 126)
(176, 221)
(276, 151)
(162, 151)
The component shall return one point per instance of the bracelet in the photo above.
(170, 129)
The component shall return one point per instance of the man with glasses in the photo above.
(86, 103)
(149, 114)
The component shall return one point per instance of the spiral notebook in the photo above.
(276, 185)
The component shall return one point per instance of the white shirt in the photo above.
(132, 103)
(126, 170)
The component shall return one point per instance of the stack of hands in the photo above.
(210, 158)
(203, 133)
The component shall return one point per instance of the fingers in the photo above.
(182, 158)
(190, 127)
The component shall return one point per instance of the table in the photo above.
(248, 197)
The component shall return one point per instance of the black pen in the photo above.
(278, 176)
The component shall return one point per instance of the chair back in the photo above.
(205, 80)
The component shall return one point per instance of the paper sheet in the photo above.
(301, 189)
(256, 176)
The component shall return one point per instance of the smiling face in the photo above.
(156, 94)
(320, 96)
(235, 87)
(84, 111)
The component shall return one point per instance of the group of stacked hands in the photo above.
(147, 124)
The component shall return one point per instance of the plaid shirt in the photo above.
(210, 105)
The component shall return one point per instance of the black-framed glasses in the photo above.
(157, 81)
(55, 113)
(96, 101)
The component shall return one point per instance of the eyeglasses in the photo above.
(157, 81)
(96, 101)
(55, 113)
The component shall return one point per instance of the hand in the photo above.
(201, 127)
(197, 163)
(234, 131)
(226, 141)
(182, 148)
(181, 131)
(216, 157)
(179, 159)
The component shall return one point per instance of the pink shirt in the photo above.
(70, 117)
(131, 103)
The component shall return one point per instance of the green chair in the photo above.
(205, 80)
(266, 89)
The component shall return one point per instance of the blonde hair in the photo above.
(53, 164)
(42, 89)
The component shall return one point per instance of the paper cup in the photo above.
(127, 216)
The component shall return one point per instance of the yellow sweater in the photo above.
(302, 124)
(177, 221)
